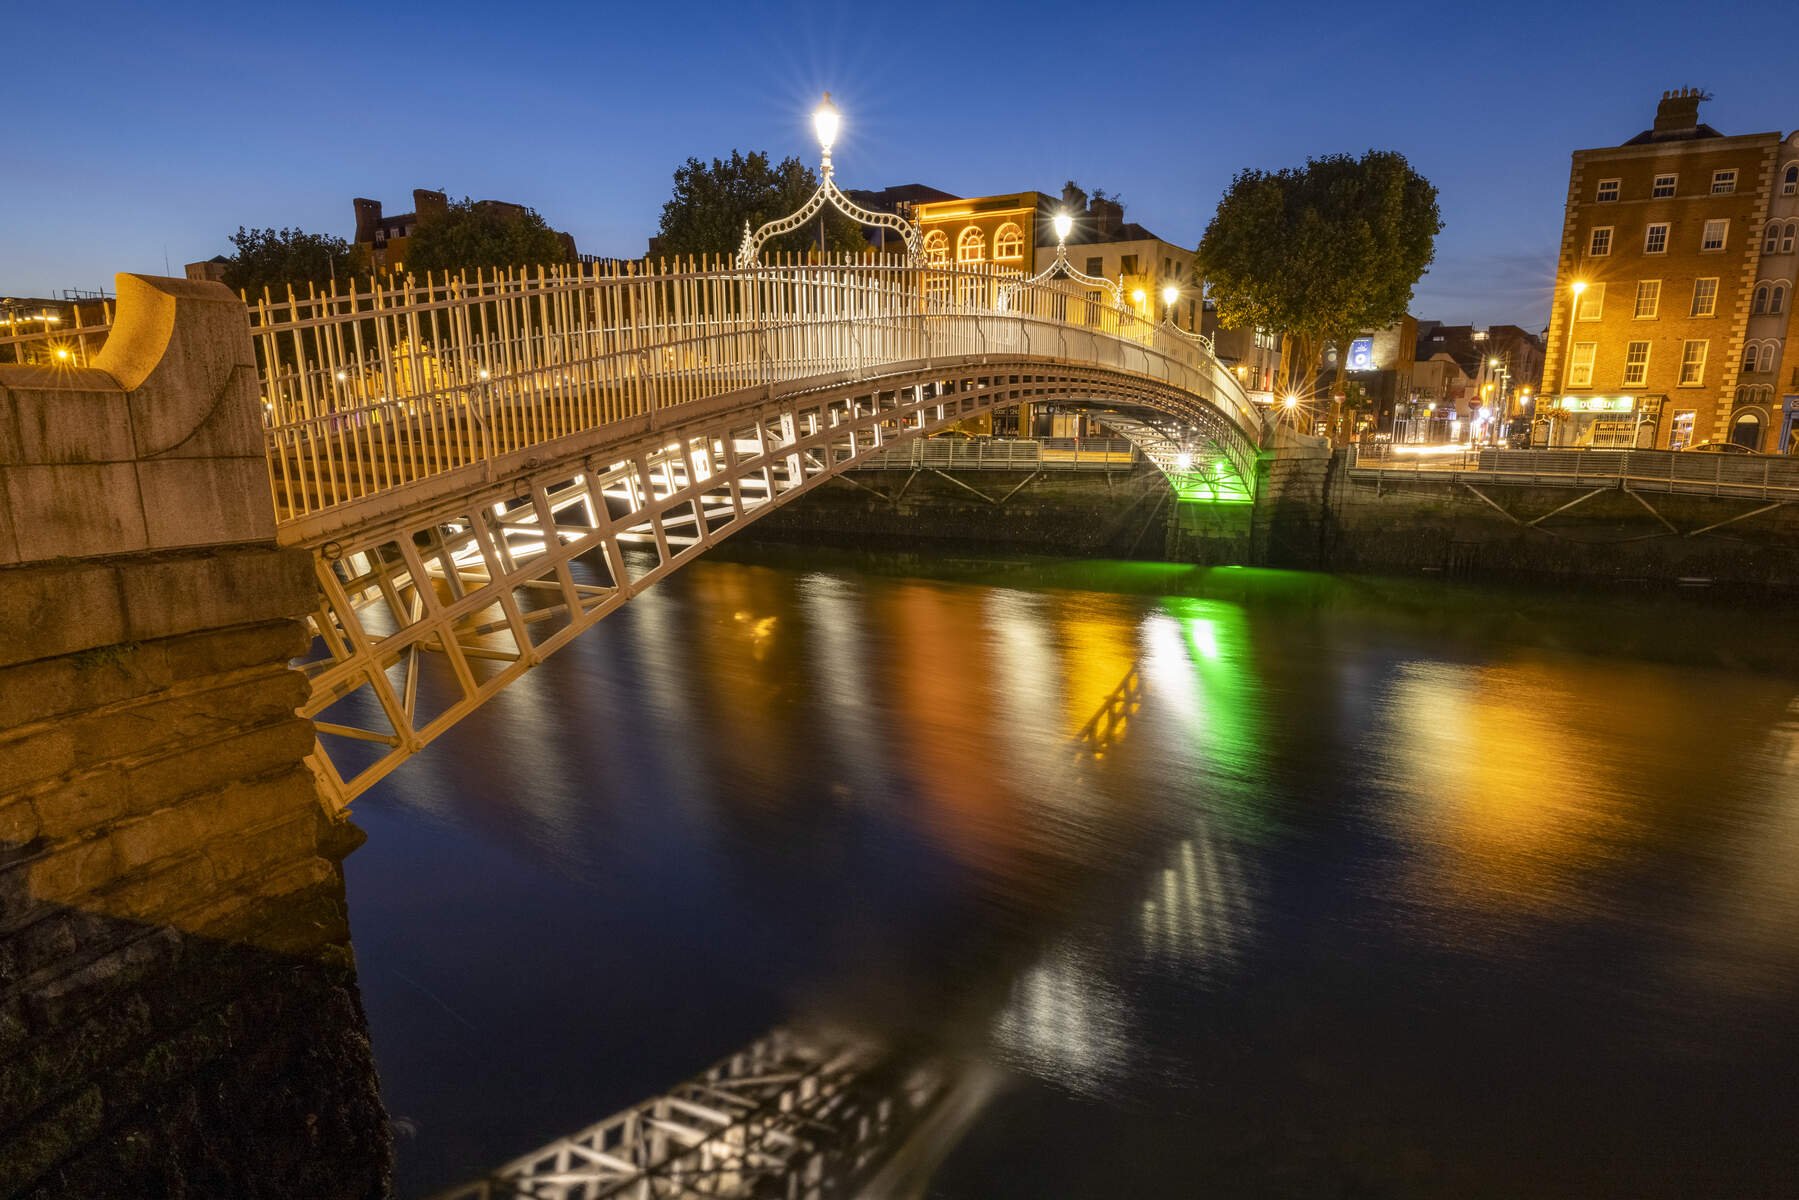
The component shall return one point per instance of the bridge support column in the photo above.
(1288, 528)
(174, 956)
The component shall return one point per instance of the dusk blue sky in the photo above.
(141, 131)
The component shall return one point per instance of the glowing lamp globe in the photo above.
(1170, 294)
(825, 120)
(1064, 225)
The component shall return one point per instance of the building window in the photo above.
(1786, 238)
(1772, 240)
(1127, 263)
(1636, 364)
(971, 246)
(1608, 191)
(1008, 243)
(1748, 360)
(1692, 362)
(936, 248)
(1655, 238)
(1680, 433)
(1592, 302)
(1601, 243)
(1777, 299)
(1580, 367)
(1766, 360)
(1649, 299)
(1760, 304)
(1663, 186)
(1705, 298)
(1096, 266)
(1789, 181)
(1724, 182)
(1716, 230)
(1746, 431)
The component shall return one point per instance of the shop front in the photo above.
(1606, 422)
(1789, 426)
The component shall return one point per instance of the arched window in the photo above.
(1772, 241)
(1760, 304)
(1008, 243)
(1777, 300)
(936, 248)
(1786, 237)
(1789, 182)
(1749, 357)
(971, 247)
(1766, 362)
(1746, 430)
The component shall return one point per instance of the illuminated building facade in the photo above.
(1673, 317)
(1016, 231)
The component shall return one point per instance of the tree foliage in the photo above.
(711, 204)
(1320, 252)
(276, 258)
(469, 234)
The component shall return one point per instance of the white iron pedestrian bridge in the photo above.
(472, 459)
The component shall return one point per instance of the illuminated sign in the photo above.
(1597, 404)
(1361, 354)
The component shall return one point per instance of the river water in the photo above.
(1376, 890)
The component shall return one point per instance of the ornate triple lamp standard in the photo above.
(826, 121)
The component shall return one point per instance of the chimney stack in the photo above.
(368, 217)
(1678, 113)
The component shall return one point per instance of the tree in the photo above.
(710, 206)
(276, 258)
(470, 234)
(1320, 252)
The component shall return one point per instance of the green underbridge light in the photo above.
(1216, 483)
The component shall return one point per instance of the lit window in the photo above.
(1592, 302)
(971, 246)
(1680, 430)
(1008, 243)
(1663, 187)
(1716, 230)
(1705, 298)
(1601, 243)
(1636, 364)
(1724, 182)
(1608, 191)
(1649, 298)
(1655, 238)
(1580, 367)
(936, 248)
(1692, 362)
(1789, 182)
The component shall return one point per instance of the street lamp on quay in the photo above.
(1577, 287)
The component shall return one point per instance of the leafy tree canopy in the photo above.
(276, 258)
(710, 205)
(470, 234)
(1320, 252)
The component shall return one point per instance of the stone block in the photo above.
(88, 801)
(35, 758)
(66, 874)
(47, 611)
(162, 894)
(74, 510)
(72, 417)
(176, 594)
(206, 501)
(234, 649)
(202, 767)
(265, 850)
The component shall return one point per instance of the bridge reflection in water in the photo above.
(816, 1112)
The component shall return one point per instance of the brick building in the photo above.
(383, 237)
(1673, 317)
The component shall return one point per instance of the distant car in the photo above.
(1718, 448)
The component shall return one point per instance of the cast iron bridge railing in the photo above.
(1742, 476)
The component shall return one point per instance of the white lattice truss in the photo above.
(805, 1116)
(483, 469)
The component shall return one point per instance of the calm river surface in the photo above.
(1384, 890)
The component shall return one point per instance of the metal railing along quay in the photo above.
(1752, 476)
(1007, 454)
